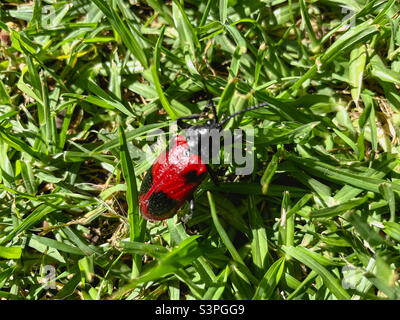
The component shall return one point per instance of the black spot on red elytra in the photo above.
(193, 177)
(159, 203)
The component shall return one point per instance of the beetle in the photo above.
(180, 169)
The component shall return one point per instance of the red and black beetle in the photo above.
(180, 169)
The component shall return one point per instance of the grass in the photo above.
(85, 84)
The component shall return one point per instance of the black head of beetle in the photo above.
(201, 137)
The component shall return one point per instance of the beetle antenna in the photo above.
(260, 105)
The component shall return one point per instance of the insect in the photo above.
(180, 169)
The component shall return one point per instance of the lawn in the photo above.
(88, 93)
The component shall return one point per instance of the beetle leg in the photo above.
(213, 175)
(191, 206)
(191, 209)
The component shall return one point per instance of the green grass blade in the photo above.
(225, 238)
(331, 282)
(10, 252)
(136, 222)
(259, 243)
(270, 280)
(124, 31)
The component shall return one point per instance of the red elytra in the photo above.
(171, 181)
